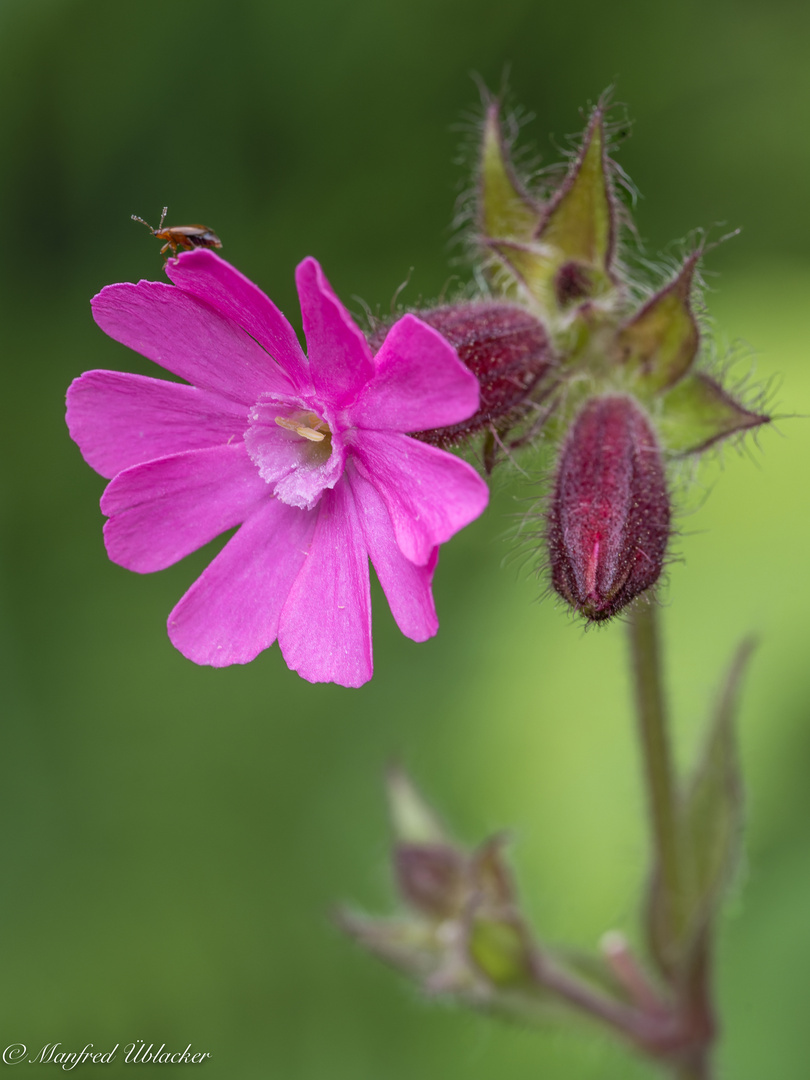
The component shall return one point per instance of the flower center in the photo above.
(295, 449)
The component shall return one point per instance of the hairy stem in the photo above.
(657, 761)
(645, 1029)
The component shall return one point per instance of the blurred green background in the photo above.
(173, 837)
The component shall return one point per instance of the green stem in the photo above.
(659, 777)
(657, 762)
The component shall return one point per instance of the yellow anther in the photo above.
(288, 425)
(311, 434)
(308, 431)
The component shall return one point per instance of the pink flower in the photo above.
(310, 456)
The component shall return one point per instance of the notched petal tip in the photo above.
(508, 351)
(419, 380)
(215, 281)
(325, 624)
(340, 359)
(429, 494)
(197, 258)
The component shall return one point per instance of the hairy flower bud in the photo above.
(505, 347)
(608, 523)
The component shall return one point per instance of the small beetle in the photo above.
(181, 236)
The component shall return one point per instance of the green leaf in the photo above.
(697, 412)
(579, 222)
(661, 341)
(713, 807)
(710, 829)
(506, 212)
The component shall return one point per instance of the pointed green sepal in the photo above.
(561, 255)
(529, 267)
(710, 829)
(505, 209)
(413, 819)
(579, 224)
(406, 944)
(698, 412)
(490, 874)
(661, 341)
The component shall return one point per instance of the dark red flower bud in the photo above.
(504, 346)
(608, 523)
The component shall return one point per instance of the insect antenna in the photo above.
(146, 223)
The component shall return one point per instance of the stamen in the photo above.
(309, 431)
(311, 434)
(288, 425)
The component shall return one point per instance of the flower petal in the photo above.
(340, 359)
(419, 383)
(430, 494)
(164, 509)
(231, 612)
(120, 420)
(407, 587)
(325, 629)
(203, 274)
(189, 338)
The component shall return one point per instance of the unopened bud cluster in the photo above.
(461, 932)
(564, 353)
